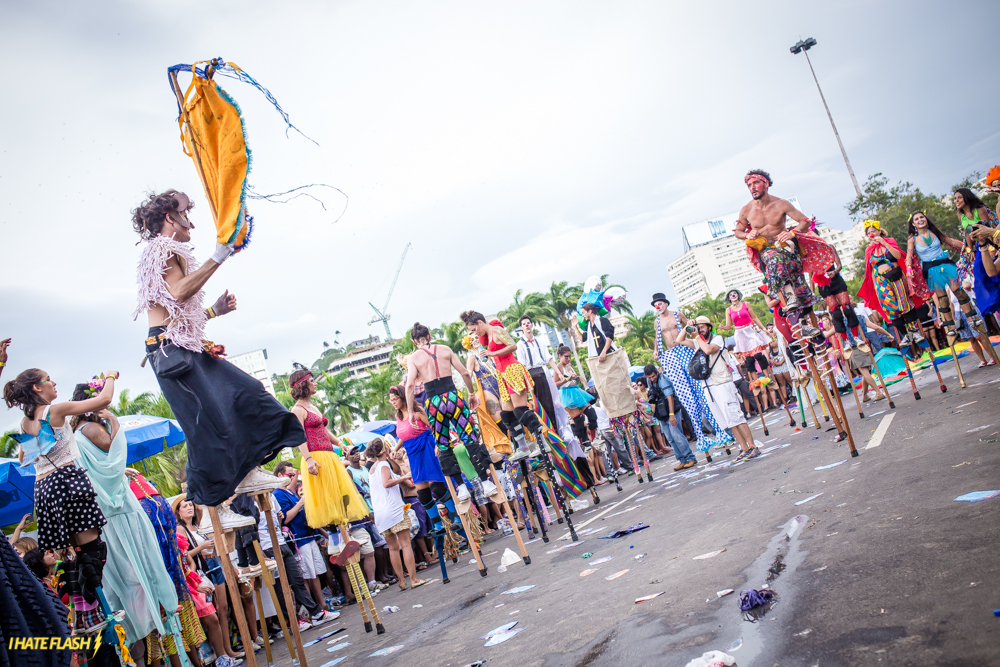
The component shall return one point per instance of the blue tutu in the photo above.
(940, 276)
(987, 288)
(424, 465)
(574, 397)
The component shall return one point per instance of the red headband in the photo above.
(754, 177)
(302, 379)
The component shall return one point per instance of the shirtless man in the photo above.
(775, 250)
(232, 424)
(674, 360)
(433, 365)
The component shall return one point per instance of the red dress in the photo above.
(513, 376)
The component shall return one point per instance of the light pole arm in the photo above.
(840, 143)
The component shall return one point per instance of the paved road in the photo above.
(881, 566)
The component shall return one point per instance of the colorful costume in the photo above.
(324, 493)
(838, 302)
(888, 292)
(446, 411)
(488, 412)
(749, 339)
(418, 441)
(135, 578)
(232, 424)
(674, 363)
(785, 264)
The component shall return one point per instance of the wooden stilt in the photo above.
(958, 366)
(264, 502)
(263, 622)
(359, 574)
(641, 446)
(783, 395)
(843, 430)
(760, 411)
(265, 576)
(222, 553)
(358, 595)
(532, 498)
(467, 528)
(906, 363)
(804, 385)
(517, 531)
(881, 380)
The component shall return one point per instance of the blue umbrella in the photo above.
(147, 435)
(636, 372)
(380, 426)
(360, 439)
(17, 491)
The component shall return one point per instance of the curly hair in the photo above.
(148, 218)
(302, 390)
(21, 392)
(761, 172)
(399, 391)
(80, 394)
(470, 317)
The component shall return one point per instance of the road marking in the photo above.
(880, 432)
(595, 518)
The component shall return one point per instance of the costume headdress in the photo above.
(873, 223)
(993, 174)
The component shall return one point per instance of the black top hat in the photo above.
(659, 296)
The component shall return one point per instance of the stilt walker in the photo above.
(755, 389)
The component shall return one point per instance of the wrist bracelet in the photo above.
(210, 311)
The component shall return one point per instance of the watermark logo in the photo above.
(53, 643)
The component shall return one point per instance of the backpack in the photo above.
(700, 368)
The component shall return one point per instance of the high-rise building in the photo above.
(715, 261)
(255, 364)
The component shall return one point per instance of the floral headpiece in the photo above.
(467, 342)
(873, 223)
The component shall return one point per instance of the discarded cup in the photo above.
(390, 609)
(587, 555)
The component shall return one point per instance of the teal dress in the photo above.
(135, 578)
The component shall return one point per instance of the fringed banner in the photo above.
(571, 480)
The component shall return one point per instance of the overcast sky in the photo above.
(513, 144)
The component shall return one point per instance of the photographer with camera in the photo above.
(661, 397)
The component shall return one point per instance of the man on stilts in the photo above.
(432, 365)
(232, 424)
(782, 255)
(674, 360)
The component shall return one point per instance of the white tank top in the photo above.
(63, 452)
(387, 504)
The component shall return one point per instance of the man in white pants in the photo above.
(720, 390)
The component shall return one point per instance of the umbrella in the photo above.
(17, 491)
(635, 372)
(147, 435)
(360, 439)
(380, 426)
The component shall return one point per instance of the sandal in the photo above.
(421, 567)
(419, 582)
(403, 586)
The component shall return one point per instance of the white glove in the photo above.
(221, 254)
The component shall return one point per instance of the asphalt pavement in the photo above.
(871, 559)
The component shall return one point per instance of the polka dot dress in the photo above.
(66, 504)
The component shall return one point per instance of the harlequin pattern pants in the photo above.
(675, 364)
(446, 412)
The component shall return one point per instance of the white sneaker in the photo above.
(325, 617)
(229, 519)
(258, 480)
(621, 471)
(533, 450)
(489, 488)
(518, 455)
(462, 493)
(304, 625)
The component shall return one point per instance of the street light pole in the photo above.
(804, 46)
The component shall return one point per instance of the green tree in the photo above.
(344, 399)
(561, 300)
(167, 469)
(642, 330)
(451, 335)
(714, 308)
(284, 398)
(127, 405)
(534, 305)
(376, 391)
(8, 445)
(159, 407)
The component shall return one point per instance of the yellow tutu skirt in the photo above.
(324, 493)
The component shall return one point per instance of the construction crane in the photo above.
(381, 315)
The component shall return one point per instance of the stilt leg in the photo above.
(812, 411)
(231, 583)
(906, 363)
(760, 412)
(355, 586)
(268, 580)
(264, 502)
(881, 381)
(958, 366)
(930, 353)
(263, 621)
(532, 498)
(360, 575)
(641, 446)
(510, 516)
(468, 530)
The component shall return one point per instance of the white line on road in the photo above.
(595, 518)
(880, 432)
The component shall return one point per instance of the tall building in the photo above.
(254, 363)
(715, 261)
(363, 361)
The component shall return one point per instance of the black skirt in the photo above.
(230, 421)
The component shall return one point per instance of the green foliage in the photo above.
(714, 308)
(534, 305)
(127, 405)
(344, 399)
(376, 391)
(451, 335)
(642, 330)
(285, 398)
(166, 469)
(892, 207)
(638, 354)
(8, 445)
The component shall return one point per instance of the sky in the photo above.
(512, 145)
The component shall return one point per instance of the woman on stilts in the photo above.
(749, 335)
(583, 418)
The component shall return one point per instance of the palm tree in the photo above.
(8, 445)
(376, 390)
(131, 406)
(167, 469)
(159, 407)
(451, 335)
(534, 305)
(642, 329)
(285, 399)
(344, 400)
